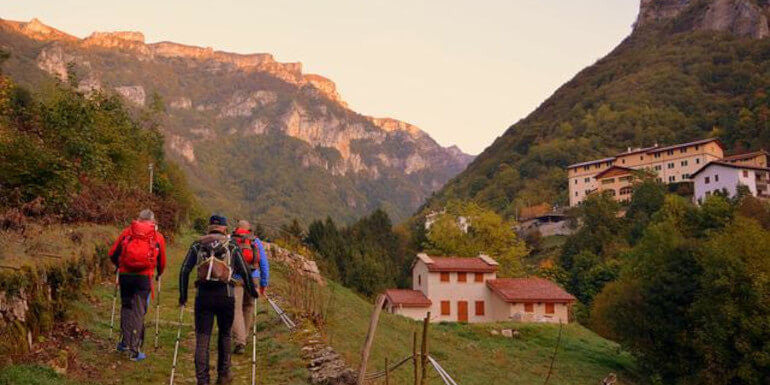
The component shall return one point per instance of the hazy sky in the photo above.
(461, 70)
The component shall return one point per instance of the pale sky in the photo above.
(461, 70)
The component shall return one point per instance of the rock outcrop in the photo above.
(134, 94)
(746, 18)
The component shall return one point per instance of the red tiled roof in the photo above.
(460, 264)
(625, 170)
(407, 298)
(529, 290)
(743, 156)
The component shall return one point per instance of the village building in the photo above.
(548, 224)
(724, 177)
(670, 164)
(457, 289)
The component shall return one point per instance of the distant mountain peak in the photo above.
(746, 18)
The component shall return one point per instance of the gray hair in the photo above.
(146, 215)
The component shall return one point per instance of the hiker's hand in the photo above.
(262, 290)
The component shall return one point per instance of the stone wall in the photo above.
(296, 262)
(33, 298)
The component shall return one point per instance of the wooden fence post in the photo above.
(370, 337)
(424, 351)
(387, 372)
(414, 359)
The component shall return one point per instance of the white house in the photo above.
(725, 177)
(457, 289)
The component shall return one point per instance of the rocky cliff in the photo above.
(740, 17)
(231, 101)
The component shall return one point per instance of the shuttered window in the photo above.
(444, 307)
(529, 307)
(479, 308)
(479, 277)
(549, 308)
(444, 277)
(462, 277)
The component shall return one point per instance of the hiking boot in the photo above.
(136, 357)
(239, 349)
(225, 380)
(122, 347)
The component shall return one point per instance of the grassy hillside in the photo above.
(470, 353)
(663, 84)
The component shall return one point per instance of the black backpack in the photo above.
(214, 261)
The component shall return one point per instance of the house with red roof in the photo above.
(455, 289)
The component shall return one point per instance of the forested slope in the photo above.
(675, 78)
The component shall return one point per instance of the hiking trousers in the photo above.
(244, 314)
(134, 300)
(213, 302)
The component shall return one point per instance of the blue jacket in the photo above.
(264, 266)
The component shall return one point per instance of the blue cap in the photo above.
(218, 220)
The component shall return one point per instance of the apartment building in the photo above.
(467, 290)
(671, 164)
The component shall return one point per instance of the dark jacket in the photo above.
(236, 263)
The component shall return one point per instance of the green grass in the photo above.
(31, 375)
(470, 353)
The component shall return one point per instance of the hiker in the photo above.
(138, 253)
(256, 259)
(216, 258)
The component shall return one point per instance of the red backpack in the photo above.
(139, 248)
(244, 239)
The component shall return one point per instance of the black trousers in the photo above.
(215, 301)
(134, 299)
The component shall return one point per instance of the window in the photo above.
(626, 190)
(685, 176)
(670, 152)
(609, 163)
(479, 277)
(657, 155)
(575, 181)
(671, 165)
(658, 168)
(597, 166)
(624, 178)
(659, 179)
(586, 180)
(716, 177)
(697, 148)
(684, 163)
(576, 193)
(683, 150)
(612, 192)
(623, 161)
(462, 277)
(444, 277)
(445, 308)
(550, 308)
(586, 168)
(419, 280)
(587, 192)
(697, 160)
(672, 178)
(745, 173)
(529, 307)
(641, 158)
(707, 180)
(608, 180)
(479, 307)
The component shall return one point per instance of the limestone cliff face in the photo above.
(747, 18)
(221, 104)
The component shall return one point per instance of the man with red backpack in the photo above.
(256, 259)
(139, 252)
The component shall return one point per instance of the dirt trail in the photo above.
(278, 356)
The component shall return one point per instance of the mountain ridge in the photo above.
(358, 162)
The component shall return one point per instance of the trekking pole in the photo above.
(254, 346)
(114, 302)
(176, 344)
(157, 314)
